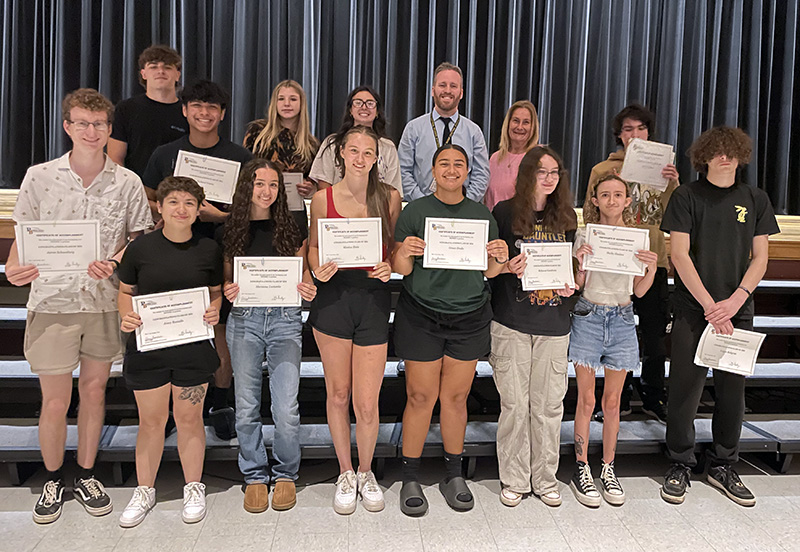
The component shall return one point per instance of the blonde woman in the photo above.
(519, 135)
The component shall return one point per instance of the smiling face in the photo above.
(89, 139)
(288, 103)
(611, 198)
(547, 175)
(520, 127)
(450, 170)
(159, 75)
(633, 128)
(363, 115)
(359, 153)
(203, 116)
(447, 91)
(179, 210)
(265, 188)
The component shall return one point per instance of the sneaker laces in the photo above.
(609, 479)
(370, 483)
(139, 500)
(585, 479)
(194, 494)
(680, 474)
(93, 486)
(343, 484)
(731, 476)
(49, 494)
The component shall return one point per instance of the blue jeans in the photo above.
(604, 337)
(256, 335)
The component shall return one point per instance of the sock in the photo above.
(411, 469)
(85, 473)
(220, 398)
(55, 475)
(452, 464)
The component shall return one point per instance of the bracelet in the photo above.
(747, 291)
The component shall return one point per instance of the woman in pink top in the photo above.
(520, 133)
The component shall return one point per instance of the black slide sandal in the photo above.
(454, 491)
(408, 493)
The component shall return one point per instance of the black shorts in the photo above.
(425, 335)
(352, 306)
(183, 365)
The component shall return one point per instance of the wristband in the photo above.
(116, 264)
(747, 291)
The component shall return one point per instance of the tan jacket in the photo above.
(648, 204)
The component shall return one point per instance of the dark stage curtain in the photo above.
(697, 63)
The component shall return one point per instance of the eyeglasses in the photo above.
(371, 104)
(99, 126)
(544, 175)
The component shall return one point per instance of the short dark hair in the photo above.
(87, 98)
(721, 140)
(634, 111)
(179, 184)
(205, 91)
(155, 54)
(450, 146)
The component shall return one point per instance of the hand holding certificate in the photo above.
(216, 176)
(736, 353)
(456, 244)
(268, 281)
(58, 246)
(548, 266)
(172, 318)
(614, 249)
(644, 161)
(350, 242)
(293, 197)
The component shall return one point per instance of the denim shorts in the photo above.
(604, 337)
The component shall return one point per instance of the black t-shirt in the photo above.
(145, 124)
(162, 165)
(541, 312)
(155, 264)
(721, 223)
(262, 233)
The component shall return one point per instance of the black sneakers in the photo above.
(48, 508)
(656, 410)
(674, 488)
(91, 493)
(583, 487)
(727, 480)
(224, 422)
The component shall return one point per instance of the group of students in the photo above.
(445, 320)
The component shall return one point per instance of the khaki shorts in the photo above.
(55, 343)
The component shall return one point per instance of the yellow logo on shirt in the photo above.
(741, 213)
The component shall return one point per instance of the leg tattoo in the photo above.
(193, 394)
(579, 445)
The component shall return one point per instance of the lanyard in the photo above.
(447, 138)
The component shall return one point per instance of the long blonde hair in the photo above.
(304, 141)
(533, 141)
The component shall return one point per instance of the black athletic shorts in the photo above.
(425, 335)
(182, 365)
(352, 306)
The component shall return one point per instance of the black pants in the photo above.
(653, 311)
(686, 382)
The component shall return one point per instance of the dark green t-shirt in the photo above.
(441, 290)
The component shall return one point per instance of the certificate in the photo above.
(216, 176)
(172, 318)
(457, 244)
(736, 353)
(614, 249)
(644, 161)
(548, 266)
(268, 281)
(293, 197)
(58, 246)
(350, 242)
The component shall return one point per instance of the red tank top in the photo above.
(333, 213)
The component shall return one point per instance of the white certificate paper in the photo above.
(293, 197)
(172, 318)
(58, 246)
(216, 176)
(735, 353)
(614, 249)
(457, 244)
(268, 281)
(548, 266)
(644, 161)
(350, 242)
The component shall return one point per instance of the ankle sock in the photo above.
(452, 465)
(220, 397)
(85, 473)
(55, 475)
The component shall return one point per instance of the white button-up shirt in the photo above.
(115, 198)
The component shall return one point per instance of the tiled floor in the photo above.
(706, 521)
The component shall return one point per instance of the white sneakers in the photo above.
(344, 501)
(144, 499)
(194, 502)
(370, 491)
